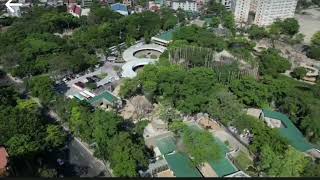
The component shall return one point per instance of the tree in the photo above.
(126, 157)
(201, 146)
(290, 26)
(274, 32)
(80, 121)
(224, 106)
(256, 32)
(228, 21)
(47, 173)
(312, 169)
(299, 73)
(215, 21)
(129, 88)
(42, 87)
(294, 163)
(272, 63)
(56, 137)
(20, 145)
(8, 96)
(290, 164)
(251, 92)
(315, 40)
(314, 51)
(177, 127)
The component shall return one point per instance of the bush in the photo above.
(299, 73)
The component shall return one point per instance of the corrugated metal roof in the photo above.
(181, 165)
(221, 166)
(105, 95)
(289, 131)
(166, 145)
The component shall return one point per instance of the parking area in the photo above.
(99, 77)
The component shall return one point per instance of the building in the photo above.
(120, 8)
(107, 2)
(74, 10)
(174, 164)
(128, 3)
(105, 100)
(286, 129)
(163, 39)
(268, 11)
(138, 9)
(86, 3)
(16, 11)
(3, 161)
(186, 5)
(55, 3)
(226, 3)
(240, 9)
(153, 6)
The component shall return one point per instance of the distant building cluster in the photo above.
(265, 11)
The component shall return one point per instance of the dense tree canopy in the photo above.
(272, 63)
(201, 146)
(299, 72)
(314, 51)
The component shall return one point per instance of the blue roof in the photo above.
(119, 7)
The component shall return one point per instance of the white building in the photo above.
(241, 9)
(187, 5)
(267, 11)
(16, 11)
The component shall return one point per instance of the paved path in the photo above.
(132, 61)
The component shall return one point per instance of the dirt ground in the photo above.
(309, 23)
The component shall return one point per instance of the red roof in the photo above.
(75, 9)
(154, 8)
(3, 158)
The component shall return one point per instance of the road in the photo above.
(83, 162)
(80, 157)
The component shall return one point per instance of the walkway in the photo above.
(132, 61)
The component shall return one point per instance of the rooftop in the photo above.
(289, 131)
(119, 7)
(167, 36)
(166, 145)
(221, 166)
(181, 165)
(3, 158)
(103, 96)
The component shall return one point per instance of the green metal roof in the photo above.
(167, 36)
(222, 166)
(105, 95)
(289, 131)
(181, 165)
(166, 145)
